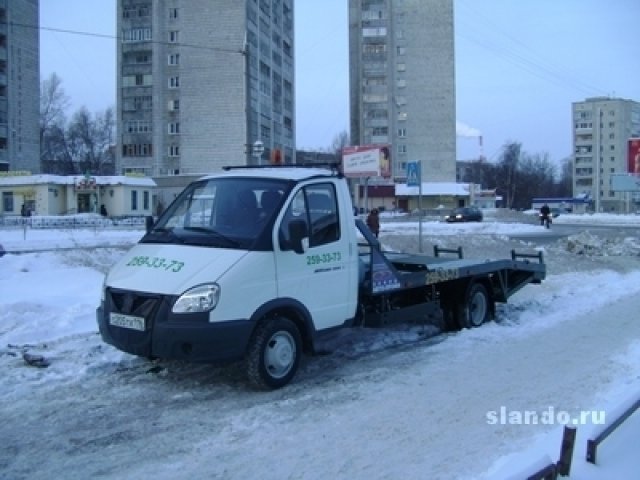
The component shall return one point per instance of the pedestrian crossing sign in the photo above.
(413, 174)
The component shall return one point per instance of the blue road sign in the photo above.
(413, 174)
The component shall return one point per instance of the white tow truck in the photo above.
(256, 264)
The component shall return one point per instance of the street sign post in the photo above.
(414, 179)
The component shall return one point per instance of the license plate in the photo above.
(127, 321)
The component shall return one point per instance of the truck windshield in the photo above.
(226, 212)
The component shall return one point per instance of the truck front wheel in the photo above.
(475, 309)
(274, 353)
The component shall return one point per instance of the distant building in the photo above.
(200, 83)
(19, 86)
(602, 127)
(62, 195)
(402, 82)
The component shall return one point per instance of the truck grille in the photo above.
(131, 303)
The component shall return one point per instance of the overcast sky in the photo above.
(519, 65)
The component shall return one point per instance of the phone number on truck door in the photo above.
(323, 258)
(156, 262)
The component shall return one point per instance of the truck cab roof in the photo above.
(285, 173)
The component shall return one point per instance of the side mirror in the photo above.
(297, 233)
(148, 223)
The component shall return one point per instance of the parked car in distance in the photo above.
(464, 214)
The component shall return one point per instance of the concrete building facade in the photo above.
(19, 86)
(200, 83)
(402, 82)
(602, 127)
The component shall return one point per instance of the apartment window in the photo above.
(145, 200)
(173, 37)
(402, 116)
(173, 13)
(402, 132)
(137, 150)
(374, 32)
(174, 59)
(134, 200)
(401, 50)
(402, 149)
(174, 105)
(7, 202)
(138, 80)
(374, 48)
(174, 128)
(401, 67)
(174, 82)
(174, 150)
(137, 126)
(402, 83)
(132, 35)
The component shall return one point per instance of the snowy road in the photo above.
(349, 414)
(382, 404)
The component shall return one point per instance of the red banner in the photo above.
(633, 155)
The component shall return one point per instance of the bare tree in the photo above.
(90, 137)
(565, 185)
(83, 145)
(508, 172)
(340, 141)
(53, 104)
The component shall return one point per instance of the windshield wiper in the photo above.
(211, 231)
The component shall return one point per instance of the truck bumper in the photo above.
(166, 335)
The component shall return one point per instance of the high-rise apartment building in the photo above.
(201, 82)
(402, 88)
(602, 127)
(19, 86)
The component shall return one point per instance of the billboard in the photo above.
(625, 182)
(366, 161)
(633, 156)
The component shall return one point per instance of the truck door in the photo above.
(320, 276)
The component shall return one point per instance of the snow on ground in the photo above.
(389, 403)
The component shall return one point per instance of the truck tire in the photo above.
(475, 309)
(274, 353)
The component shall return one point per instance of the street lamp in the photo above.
(257, 150)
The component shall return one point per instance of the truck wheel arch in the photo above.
(294, 311)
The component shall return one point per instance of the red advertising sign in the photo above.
(633, 156)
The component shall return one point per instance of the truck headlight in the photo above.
(202, 298)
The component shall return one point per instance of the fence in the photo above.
(71, 221)
(622, 412)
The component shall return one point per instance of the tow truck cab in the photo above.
(246, 264)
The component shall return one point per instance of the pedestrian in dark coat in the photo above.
(373, 222)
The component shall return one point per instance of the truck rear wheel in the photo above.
(475, 308)
(274, 353)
